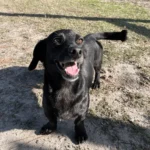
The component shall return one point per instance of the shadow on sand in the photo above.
(19, 109)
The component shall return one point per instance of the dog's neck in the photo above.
(53, 81)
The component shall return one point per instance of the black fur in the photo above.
(38, 54)
(67, 96)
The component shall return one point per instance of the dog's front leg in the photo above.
(80, 132)
(51, 126)
(50, 113)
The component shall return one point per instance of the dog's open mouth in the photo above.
(69, 70)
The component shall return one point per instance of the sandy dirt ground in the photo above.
(119, 113)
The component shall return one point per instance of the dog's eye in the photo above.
(79, 41)
(57, 41)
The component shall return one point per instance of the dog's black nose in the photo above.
(75, 52)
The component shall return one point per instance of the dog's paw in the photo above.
(47, 129)
(81, 137)
(96, 85)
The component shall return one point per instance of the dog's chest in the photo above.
(63, 103)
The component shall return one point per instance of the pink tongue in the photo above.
(72, 70)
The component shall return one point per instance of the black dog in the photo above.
(69, 61)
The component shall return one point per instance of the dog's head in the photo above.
(64, 51)
(61, 52)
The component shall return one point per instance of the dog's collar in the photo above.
(69, 79)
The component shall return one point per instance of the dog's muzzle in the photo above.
(69, 70)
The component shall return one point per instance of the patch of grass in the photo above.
(112, 9)
(134, 100)
(92, 112)
(103, 109)
(125, 117)
(25, 22)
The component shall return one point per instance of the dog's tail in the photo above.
(111, 35)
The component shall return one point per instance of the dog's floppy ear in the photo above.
(38, 54)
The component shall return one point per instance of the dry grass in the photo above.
(119, 115)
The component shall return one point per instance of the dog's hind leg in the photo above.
(97, 67)
(96, 83)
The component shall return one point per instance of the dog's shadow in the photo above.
(20, 108)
